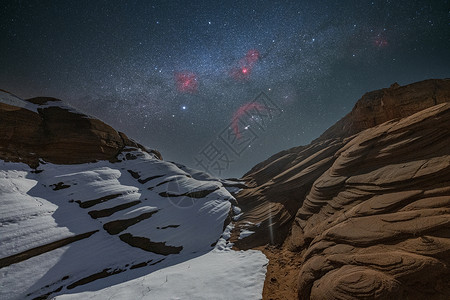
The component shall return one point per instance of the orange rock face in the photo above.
(395, 102)
(56, 134)
(366, 207)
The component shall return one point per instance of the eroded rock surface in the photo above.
(395, 102)
(366, 207)
(47, 129)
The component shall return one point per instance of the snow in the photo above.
(245, 233)
(232, 186)
(215, 275)
(64, 106)
(236, 210)
(236, 217)
(34, 212)
(10, 99)
(223, 243)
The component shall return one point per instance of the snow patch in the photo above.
(10, 99)
(245, 233)
(223, 243)
(215, 275)
(236, 217)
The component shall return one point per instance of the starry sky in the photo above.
(219, 85)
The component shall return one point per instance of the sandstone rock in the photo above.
(390, 103)
(366, 207)
(56, 133)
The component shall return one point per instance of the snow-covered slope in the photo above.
(13, 100)
(137, 228)
(10, 99)
(215, 275)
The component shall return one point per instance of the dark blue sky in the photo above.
(126, 62)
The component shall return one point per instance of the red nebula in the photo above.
(246, 65)
(252, 57)
(240, 73)
(186, 82)
(380, 41)
(242, 111)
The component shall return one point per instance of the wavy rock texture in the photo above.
(55, 133)
(367, 212)
(395, 102)
(83, 227)
(70, 226)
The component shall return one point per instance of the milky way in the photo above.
(173, 74)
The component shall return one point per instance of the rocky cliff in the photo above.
(363, 211)
(47, 129)
(395, 102)
(128, 226)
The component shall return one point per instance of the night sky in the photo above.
(219, 85)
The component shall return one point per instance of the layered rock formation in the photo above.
(361, 212)
(395, 102)
(72, 226)
(364, 211)
(45, 128)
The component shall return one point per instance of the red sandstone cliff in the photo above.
(363, 211)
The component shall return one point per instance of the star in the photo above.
(173, 71)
